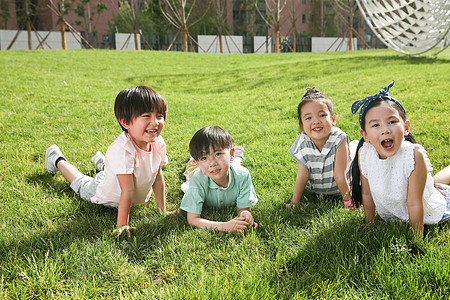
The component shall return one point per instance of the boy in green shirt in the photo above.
(220, 182)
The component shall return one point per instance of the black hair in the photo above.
(356, 174)
(214, 136)
(135, 101)
(313, 94)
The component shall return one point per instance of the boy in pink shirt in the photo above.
(131, 168)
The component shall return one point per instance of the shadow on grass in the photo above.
(321, 247)
(86, 222)
(315, 246)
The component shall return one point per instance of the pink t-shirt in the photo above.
(124, 157)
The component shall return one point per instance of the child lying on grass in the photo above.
(321, 151)
(220, 183)
(132, 166)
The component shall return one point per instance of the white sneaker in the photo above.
(51, 155)
(99, 161)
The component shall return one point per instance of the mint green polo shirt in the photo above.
(203, 190)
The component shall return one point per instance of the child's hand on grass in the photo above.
(248, 218)
(173, 212)
(236, 225)
(120, 229)
(291, 205)
(349, 204)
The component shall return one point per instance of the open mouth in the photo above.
(154, 131)
(317, 129)
(387, 144)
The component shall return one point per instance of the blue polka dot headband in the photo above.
(384, 94)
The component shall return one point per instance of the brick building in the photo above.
(95, 26)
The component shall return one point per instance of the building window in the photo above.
(304, 1)
(303, 18)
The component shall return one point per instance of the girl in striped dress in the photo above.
(321, 151)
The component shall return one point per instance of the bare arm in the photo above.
(340, 168)
(367, 200)
(236, 225)
(126, 182)
(299, 186)
(159, 191)
(443, 176)
(416, 187)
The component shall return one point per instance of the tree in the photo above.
(220, 20)
(128, 20)
(153, 20)
(178, 13)
(321, 22)
(293, 20)
(273, 17)
(61, 9)
(347, 12)
(26, 16)
(89, 12)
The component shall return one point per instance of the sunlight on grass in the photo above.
(54, 245)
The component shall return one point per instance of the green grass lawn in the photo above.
(54, 245)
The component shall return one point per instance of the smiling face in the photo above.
(385, 129)
(145, 129)
(216, 164)
(317, 121)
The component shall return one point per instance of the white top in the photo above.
(124, 157)
(388, 181)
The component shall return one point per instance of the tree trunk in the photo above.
(350, 37)
(136, 44)
(220, 42)
(277, 40)
(294, 40)
(63, 26)
(185, 45)
(63, 34)
(350, 34)
(322, 22)
(30, 46)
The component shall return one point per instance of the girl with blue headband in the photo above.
(391, 173)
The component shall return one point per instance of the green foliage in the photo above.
(88, 14)
(4, 13)
(149, 21)
(315, 19)
(156, 18)
(54, 245)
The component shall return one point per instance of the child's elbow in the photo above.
(192, 218)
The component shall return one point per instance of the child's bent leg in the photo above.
(86, 186)
(55, 161)
(69, 171)
(52, 156)
(443, 176)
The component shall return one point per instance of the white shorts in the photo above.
(86, 186)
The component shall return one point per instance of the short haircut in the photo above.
(313, 94)
(214, 136)
(135, 101)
